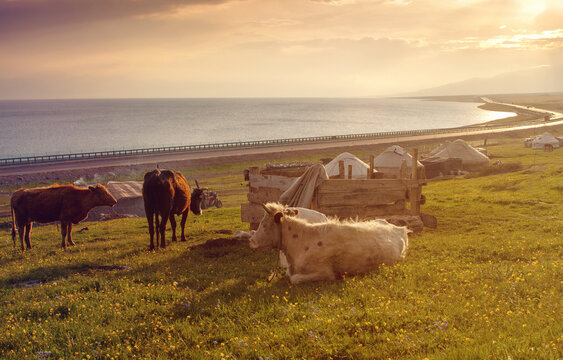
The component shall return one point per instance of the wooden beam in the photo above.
(359, 200)
(344, 212)
(263, 195)
(271, 181)
(252, 213)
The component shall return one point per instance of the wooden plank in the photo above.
(263, 195)
(362, 185)
(252, 213)
(367, 184)
(272, 181)
(341, 173)
(344, 212)
(285, 173)
(349, 171)
(328, 199)
(414, 192)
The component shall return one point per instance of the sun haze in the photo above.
(271, 48)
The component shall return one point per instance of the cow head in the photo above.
(197, 198)
(269, 234)
(102, 195)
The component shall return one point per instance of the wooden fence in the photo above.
(344, 198)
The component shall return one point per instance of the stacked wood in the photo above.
(371, 197)
(265, 186)
(396, 199)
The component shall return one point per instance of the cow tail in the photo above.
(13, 225)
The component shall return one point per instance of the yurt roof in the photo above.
(462, 150)
(393, 157)
(125, 189)
(359, 168)
(546, 138)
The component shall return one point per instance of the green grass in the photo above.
(487, 283)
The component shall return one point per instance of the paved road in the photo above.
(557, 119)
(553, 114)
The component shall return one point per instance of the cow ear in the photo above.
(278, 217)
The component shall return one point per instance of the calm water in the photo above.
(39, 127)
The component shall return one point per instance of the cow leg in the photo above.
(63, 233)
(157, 227)
(27, 234)
(183, 224)
(21, 229)
(323, 274)
(173, 226)
(69, 235)
(150, 218)
(163, 230)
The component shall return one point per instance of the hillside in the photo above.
(546, 79)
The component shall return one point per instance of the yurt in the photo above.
(359, 168)
(471, 158)
(129, 196)
(438, 167)
(389, 162)
(545, 141)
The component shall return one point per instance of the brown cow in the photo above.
(65, 203)
(167, 193)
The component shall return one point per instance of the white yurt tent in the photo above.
(545, 140)
(359, 168)
(390, 161)
(471, 158)
(129, 196)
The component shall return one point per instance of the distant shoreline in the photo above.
(87, 168)
(548, 101)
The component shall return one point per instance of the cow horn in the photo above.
(267, 210)
(197, 184)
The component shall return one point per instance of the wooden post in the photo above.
(349, 171)
(414, 189)
(414, 172)
(371, 162)
(341, 174)
(255, 170)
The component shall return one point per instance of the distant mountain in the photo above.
(540, 79)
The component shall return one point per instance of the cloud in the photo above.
(39, 14)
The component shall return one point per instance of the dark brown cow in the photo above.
(167, 193)
(65, 203)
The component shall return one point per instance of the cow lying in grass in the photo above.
(65, 203)
(331, 249)
(269, 228)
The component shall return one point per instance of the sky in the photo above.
(269, 48)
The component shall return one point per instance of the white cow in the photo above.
(328, 250)
(268, 227)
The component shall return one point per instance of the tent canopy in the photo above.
(393, 157)
(125, 189)
(471, 158)
(359, 168)
(545, 139)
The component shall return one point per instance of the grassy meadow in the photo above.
(487, 283)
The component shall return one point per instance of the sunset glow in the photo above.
(257, 48)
